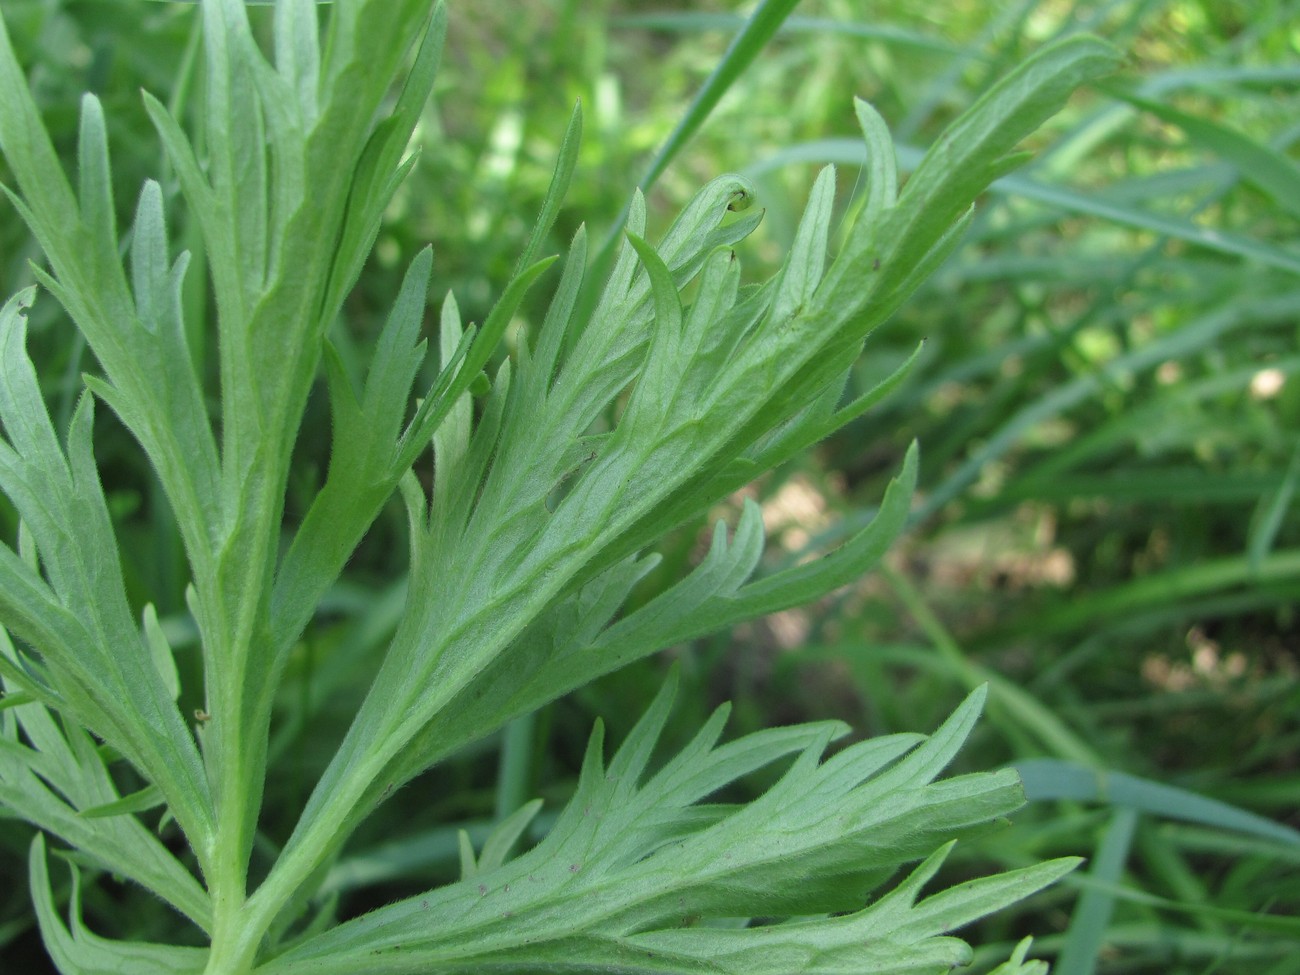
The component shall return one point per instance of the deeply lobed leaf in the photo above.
(634, 865)
(606, 433)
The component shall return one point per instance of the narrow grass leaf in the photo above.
(1268, 170)
(1177, 228)
(1269, 515)
(555, 192)
(759, 29)
(885, 33)
(1085, 939)
(1242, 919)
(1054, 779)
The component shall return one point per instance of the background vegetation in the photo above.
(1106, 399)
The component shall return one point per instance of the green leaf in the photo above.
(62, 770)
(568, 648)
(163, 657)
(689, 21)
(616, 864)
(1016, 964)
(759, 28)
(559, 186)
(821, 420)
(14, 699)
(96, 192)
(1085, 940)
(378, 172)
(803, 584)
(1270, 514)
(398, 355)
(972, 152)
(977, 147)
(501, 841)
(806, 262)
(434, 409)
(50, 209)
(881, 165)
(142, 801)
(1272, 172)
(468, 862)
(451, 439)
(236, 140)
(1128, 215)
(78, 951)
(361, 476)
(793, 359)
(582, 450)
(104, 672)
(662, 368)
(297, 51)
(1113, 892)
(1052, 779)
(555, 325)
(204, 205)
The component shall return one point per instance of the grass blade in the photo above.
(760, 27)
(1087, 933)
(1049, 779)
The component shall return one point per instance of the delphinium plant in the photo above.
(555, 473)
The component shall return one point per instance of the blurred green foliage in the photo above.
(1107, 402)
